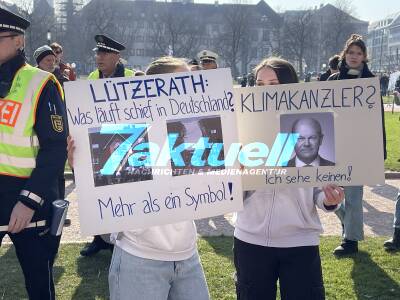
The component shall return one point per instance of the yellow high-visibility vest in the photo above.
(96, 74)
(19, 144)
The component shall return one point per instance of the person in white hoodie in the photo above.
(160, 262)
(277, 233)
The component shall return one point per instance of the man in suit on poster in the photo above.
(308, 143)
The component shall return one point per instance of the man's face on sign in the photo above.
(309, 140)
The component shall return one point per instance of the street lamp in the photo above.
(323, 66)
(48, 37)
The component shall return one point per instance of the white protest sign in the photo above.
(334, 128)
(138, 159)
(392, 80)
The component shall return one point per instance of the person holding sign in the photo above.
(277, 234)
(32, 157)
(109, 64)
(353, 65)
(160, 262)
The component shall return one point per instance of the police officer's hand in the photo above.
(21, 216)
(334, 194)
(70, 149)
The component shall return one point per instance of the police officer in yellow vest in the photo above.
(32, 158)
(108, 59)
(109, 64)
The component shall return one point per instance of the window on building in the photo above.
(140, 52)
(265, 35)
(140, 24)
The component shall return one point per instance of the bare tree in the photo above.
(298, 36)
(121, 21)
(42, 20)
(234, 37)
(100, 18)
(337, 27)
(175, 33)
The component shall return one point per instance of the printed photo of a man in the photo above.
(310, 140)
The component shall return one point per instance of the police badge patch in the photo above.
(57, 123)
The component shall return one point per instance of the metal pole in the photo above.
(380, 58)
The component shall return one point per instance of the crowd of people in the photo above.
(276, 236)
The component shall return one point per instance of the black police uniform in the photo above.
(36, 249)
(104, 44)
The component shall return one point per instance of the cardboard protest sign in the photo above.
(311, 134)
(145, 147)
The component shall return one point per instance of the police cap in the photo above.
(12, 22)
(107, 44)
(207, 55)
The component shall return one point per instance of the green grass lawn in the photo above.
(372, 274)
(392, 124)
(387, 99)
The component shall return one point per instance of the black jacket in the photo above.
(325, 76)
(397, 85)
(365, 73)
(343, 69)
(50, 160)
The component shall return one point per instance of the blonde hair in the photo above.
(166, 64)
(56, 46)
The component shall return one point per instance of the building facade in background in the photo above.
(242, 34)
(384, 44)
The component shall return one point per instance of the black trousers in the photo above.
(36, 249)
(258, 269)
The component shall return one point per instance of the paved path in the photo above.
(378, 215)
(389, 107)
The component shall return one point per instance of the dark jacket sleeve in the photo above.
(51, 130)
(334, 76)
(383, 130)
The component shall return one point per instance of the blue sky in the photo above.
(367, 10)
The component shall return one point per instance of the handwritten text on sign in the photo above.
(122, 126)
(338, 126)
